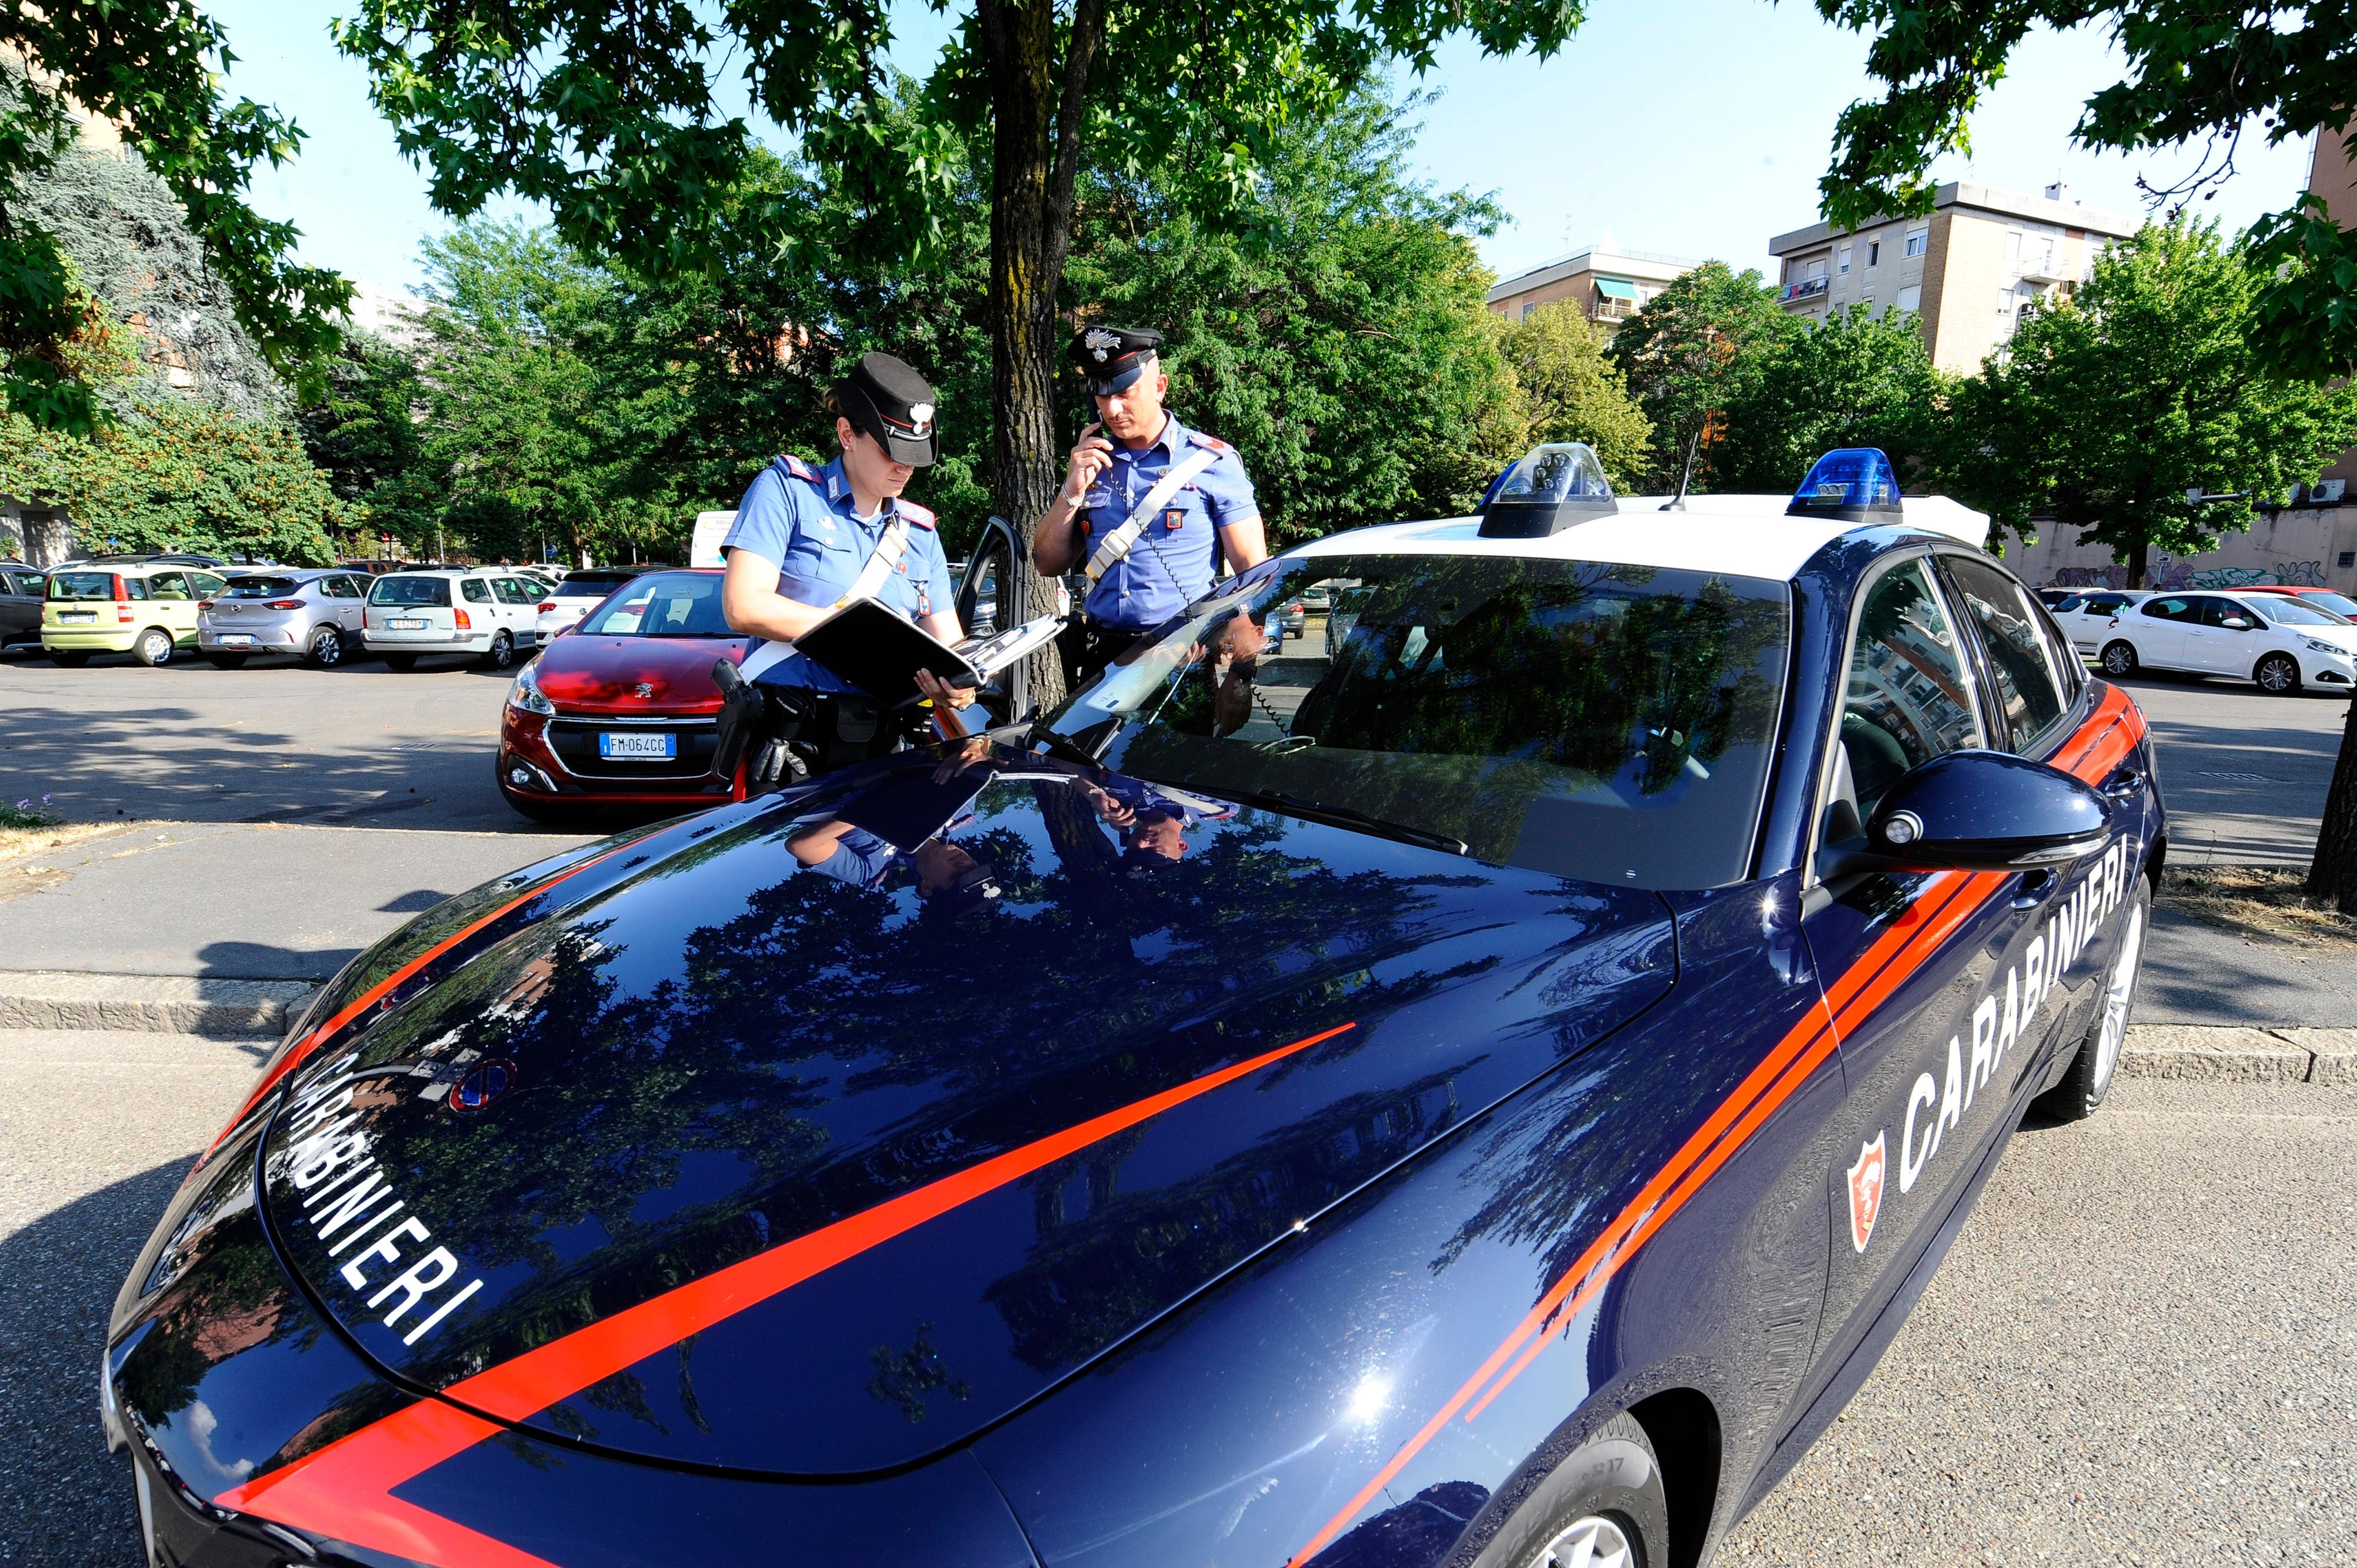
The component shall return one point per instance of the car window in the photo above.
(2215, 612)
(2106, 604)
(207, 584)
(2170, 608)
(411, 591)
(1909, 699)
(1577, 718)
(2286, 611)
(81, 586)
(662, 604)
(260, 588)
(513, 592)
(588, 587)
(2339, 604)
(475, 590)
(166, 585)
(2029, 690)
(135, 587)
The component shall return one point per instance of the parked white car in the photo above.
(489, 613)
(2086, 616)
(2269, 638)
(561, 609)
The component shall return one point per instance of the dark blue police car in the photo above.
(1479, 1082)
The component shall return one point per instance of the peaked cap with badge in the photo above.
(892, 402)
(1110, 358)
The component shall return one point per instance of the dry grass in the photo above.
(2263, 902)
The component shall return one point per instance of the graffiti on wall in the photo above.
(2167, 573)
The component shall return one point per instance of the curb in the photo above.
(2214, 1053)
(168, 1004)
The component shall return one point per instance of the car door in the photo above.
(1916, 966)
(20, 610)
(174, 604)
(2162, 630)
(2232, 636)
(994, 596)
(343, 596)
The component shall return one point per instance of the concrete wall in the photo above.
(2302, 546)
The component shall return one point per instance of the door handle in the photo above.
(2036, 888)
(2123, 784)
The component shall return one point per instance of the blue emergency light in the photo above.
(1850, 484)
(1548, 489)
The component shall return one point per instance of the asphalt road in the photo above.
(2141, 1350)
(2245, 775)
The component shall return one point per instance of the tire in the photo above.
(2098, 1059)
(154, 648)
(2119, 659)
(401, 664)
(2277, 675)
(226, 661)
(501, 654)
(327, 649)
(71, 658)
(1606, 1498)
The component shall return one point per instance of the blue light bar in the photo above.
(1548, 489)
(1851, 482)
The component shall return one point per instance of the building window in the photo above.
(2012, 239)
(1529, 305)
(2349, 558)
(1918, 241)
(1841, 261)
(1874, 252)
(1910, 298)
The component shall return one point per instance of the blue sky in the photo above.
(1697, 128)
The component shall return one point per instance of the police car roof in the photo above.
(1749, 536)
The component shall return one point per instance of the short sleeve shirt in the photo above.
(860, 858)
(1171, 564)
(804, 521)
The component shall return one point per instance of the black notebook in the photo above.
(878, 652)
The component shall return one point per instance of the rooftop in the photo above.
(1990, 200)
(1611, 259)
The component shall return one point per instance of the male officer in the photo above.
(807, 539)
(1149, 510)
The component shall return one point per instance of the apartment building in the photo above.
(1607, 283)
(1969, 269)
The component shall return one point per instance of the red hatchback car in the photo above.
(622, 710)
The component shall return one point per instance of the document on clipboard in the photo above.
(879, 651)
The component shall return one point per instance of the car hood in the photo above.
(604, 674)
(786, 1151)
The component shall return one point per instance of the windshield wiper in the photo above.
(1059, 745)
(1340, 817)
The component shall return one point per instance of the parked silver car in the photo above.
(312, 615)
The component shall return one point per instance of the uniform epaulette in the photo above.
(1207, 443)
(920, 516)
(798, 469)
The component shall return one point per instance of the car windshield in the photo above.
(1605, 722)
(2331, 603)
(410, 591)
(664, 604)
(260, 588)
(81, 586)
(2285, 610)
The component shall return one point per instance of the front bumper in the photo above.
(558, 761)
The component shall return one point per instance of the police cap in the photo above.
(1110, 358)
(893, 403)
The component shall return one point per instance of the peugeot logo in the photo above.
(645, 689)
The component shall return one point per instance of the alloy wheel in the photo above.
(328, 647)
(1594, 1542)
(2276, 674)
(2119, 659)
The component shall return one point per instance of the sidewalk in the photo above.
(240, 900)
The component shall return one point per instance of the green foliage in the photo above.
(149, 66)
(364, 436)
(1855, 380)
(177, 476)
(2108, 410)
(1575, 391)
(2194, 73)
(1339, 340)
(1698, 347)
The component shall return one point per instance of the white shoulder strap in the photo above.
(1122, 540)
(879, 570)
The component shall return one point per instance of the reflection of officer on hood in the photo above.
(1151, 822)
(907, 819)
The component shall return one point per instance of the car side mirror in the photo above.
(1977, 810)
(2235, 622)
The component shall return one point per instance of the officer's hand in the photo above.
(1091, 455)
(942, 692)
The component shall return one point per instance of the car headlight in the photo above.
(526, 694)
(2334, 649)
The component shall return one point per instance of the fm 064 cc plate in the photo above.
(637, 747)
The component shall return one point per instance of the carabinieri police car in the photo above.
(1480, 1081)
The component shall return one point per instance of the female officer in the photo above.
(807, 539)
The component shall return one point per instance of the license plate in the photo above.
(638, 748)
(236, 638)
(77, 617)
(405, 623)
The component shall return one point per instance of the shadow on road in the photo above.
(65, 1500)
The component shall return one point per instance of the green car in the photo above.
(144, 610)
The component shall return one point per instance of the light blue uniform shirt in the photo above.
(1169, 567)
(804, 521)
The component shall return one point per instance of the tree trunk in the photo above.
(1035, 165)
(2139, 555)
(2333, 872)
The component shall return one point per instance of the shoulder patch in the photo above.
(921, 517)
(797, 468)
(1207, 443)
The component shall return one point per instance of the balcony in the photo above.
(1807, 288)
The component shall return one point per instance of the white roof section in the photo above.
(1744, 536)
(1988, 201)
